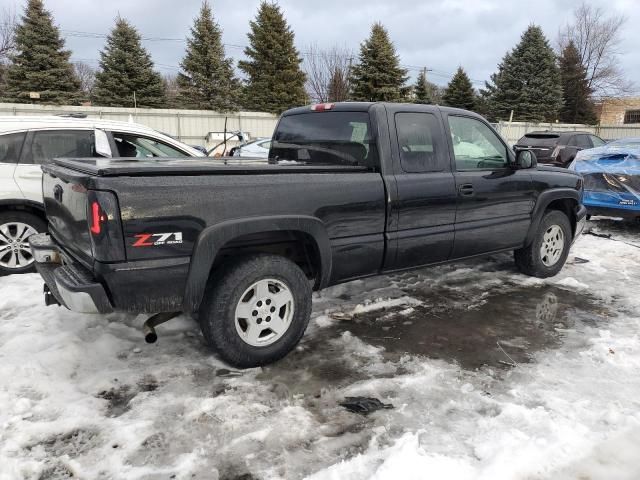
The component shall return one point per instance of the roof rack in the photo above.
(72, 115)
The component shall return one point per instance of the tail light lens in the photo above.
(105, 226)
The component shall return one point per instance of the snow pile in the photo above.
(83, 396)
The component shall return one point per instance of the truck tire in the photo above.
(15, 228)
(256, 310)
(548, 252)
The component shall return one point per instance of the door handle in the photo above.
(466, 189)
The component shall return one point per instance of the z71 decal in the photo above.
(156, 239)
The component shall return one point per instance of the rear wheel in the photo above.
(15, 229)
(256, 310)
(548, 252)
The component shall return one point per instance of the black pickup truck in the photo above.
(349, 190)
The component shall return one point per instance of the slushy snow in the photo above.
(82, 396)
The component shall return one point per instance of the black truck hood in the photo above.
(111, 167)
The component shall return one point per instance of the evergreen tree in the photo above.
(459, 92)
(421, 90)
(577, 106)
(207, 80)
(527, 81)
(40, 63)
(378, 76)
(275, 81)
(126, 68)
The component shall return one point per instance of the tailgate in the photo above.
(65, 202)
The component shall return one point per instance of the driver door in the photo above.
(494, 200)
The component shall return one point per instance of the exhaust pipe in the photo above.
(149, 327)
(49, 297)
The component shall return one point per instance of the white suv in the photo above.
(28, 142)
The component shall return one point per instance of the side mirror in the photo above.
(526, 159)
(102, 146)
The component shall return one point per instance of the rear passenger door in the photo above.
(43, 145)
(495, 200)
(426, 197)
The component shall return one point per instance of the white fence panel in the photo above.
(512, 132)
(190, 126)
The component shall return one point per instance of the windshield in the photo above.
(325, 138)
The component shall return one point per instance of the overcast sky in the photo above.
(438, 34)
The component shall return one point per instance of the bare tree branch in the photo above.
(8, 22)
(86, 75)
(597, 38)
(327, 73)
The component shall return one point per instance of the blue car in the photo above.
(611, 178)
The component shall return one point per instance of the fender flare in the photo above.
(544, 199)
(213, 238)
(21, 202)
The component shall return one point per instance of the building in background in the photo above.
(620, 111)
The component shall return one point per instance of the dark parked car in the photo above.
(558, 148)
(349, 190)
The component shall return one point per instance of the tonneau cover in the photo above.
(111, 167)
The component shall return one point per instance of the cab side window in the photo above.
(11, 147)
(475, 145)
(418, 142)
(60, 143)
(596, 141)
(133, 146)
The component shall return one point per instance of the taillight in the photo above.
(322, 107)
(97, 218)
(105, 226)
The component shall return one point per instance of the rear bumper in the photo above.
(70, 283)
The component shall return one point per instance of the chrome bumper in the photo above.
(69, 282)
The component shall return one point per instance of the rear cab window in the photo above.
(325, 138)
(419, 142)
(11, 147)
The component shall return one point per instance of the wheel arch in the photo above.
(23, 205)
(566, 200)
(251, 235)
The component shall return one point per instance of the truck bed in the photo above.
(106, 167)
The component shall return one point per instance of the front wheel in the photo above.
(548, 252)
(256, 310)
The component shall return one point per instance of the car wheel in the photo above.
(548, 252)
(15, 229)
(256, 310)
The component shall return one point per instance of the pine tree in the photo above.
(421, 90)
(126, 69)
(459, 92)
(577, 106)
(378, 76)
(40, 63)
(207, 80)
(275, 81)
(527, 81)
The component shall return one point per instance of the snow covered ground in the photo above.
(492, 375)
